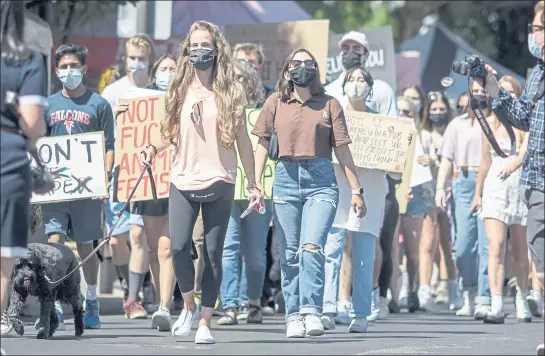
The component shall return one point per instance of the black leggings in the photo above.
(184, 207)
(391, 214)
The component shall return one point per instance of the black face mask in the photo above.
(461, 110)
(302, 76)
(483, 101)
(439, 119)
(201, 58)
(350, 60)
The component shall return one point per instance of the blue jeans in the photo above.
(305, 197)
(363, 259)
(244, 255)
(470, 246)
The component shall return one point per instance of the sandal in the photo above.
(230, 317)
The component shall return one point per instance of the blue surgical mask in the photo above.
(163, 79)
(70, 78)
(535, 50)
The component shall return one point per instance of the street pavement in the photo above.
(421, 333)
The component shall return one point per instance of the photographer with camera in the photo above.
(22, 124)
(527, 114)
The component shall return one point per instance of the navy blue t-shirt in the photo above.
(28, 79)
(87, 113)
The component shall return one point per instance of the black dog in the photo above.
(54, 261)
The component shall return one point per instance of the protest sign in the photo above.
(135, 129)
(403, 188)
(381, 60)
(268, 172)
(77, 165)
(378, 141)
(279, 40)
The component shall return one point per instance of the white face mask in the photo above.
(356, 90)
(139, 71)
(70, 78)
(163, 79)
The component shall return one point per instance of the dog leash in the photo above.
(112, 229)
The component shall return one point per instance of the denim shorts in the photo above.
(110, 210)
(79, 220)
(419, 205)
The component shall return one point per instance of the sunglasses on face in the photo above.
(308, 63)
(405, 113)
(196, 114)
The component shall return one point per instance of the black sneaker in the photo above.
(413, 303)
(393, 307)
(255, 315)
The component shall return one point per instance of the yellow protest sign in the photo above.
(378, 141)
(268, 172)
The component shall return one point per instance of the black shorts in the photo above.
(15, 193)
(149, 208)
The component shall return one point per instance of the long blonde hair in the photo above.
(518, 92)
(227, 92)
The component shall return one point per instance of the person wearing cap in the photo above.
(354, 49)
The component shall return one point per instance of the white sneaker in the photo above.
(425, 298)
(295, 329)
(468, 308)
(480, 311)
(454, 298)
(182, 326)
(375, 305)
(6, 327)
(522, 308)
(404, 291)
(328, 321)
(535, 303)
(494, 317)
(343, 312)
(203, 336)
(358, 325)
(161, 319)
(383, 311)
(313, 325)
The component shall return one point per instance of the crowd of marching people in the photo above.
(336, 244)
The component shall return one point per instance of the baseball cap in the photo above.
(358, 37)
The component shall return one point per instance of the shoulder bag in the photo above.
(273, 150)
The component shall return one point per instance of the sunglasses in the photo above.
(308, 63)
(407, 113)
(434, 95)
(196, 114)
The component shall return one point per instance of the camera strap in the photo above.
(474, 103)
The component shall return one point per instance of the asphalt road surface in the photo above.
(421, 333)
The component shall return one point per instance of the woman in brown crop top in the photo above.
(309, 125)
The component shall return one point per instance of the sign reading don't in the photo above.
(378, 141)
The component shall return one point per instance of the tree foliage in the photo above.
(64, 16)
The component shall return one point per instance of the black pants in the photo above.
(184, 207)
(391, 214)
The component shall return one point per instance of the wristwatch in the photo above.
(358, 191)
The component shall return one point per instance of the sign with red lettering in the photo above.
(280, 39)
(135, 129)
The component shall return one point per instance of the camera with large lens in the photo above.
(472, 66)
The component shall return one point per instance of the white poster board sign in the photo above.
(77, 165)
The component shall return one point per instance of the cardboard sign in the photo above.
(135, 129)
(381, 60)
(280, 39)
(268, 172)
(378, 141)
(77, 165)
(403, 188)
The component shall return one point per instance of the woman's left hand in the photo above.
(358, 205)
(505, 172)
(254, 194)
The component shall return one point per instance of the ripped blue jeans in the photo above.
(305, 197)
